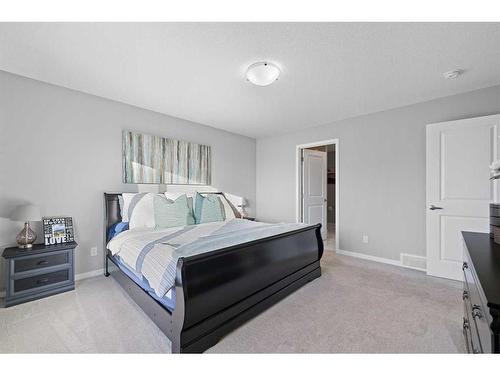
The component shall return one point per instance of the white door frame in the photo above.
(298, 184)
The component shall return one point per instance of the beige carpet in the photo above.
(356, 306)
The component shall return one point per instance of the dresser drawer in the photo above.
(40, 262)
(40, 281)
(471, 336)
(477, 309)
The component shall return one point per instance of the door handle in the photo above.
(432, 207)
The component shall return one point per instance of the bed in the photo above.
(237, 276)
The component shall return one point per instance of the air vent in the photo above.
(412, 261)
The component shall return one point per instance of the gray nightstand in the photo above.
(38, 272)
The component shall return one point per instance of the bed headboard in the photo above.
(112, 213)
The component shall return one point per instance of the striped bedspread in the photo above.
(154, 253)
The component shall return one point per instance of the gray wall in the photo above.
(61, 149)
(382, 172)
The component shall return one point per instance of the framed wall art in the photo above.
(150, 159)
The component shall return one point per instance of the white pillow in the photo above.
(227, 208)
(138, 210)
(228, 211)
(122, 211)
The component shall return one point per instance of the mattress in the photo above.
(168, 300)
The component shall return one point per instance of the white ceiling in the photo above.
(195, 71)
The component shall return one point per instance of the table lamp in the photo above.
(242, 205)
(26, 213)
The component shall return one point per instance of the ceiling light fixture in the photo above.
(262, 73)
(452, 74)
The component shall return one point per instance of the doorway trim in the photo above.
(298, 182)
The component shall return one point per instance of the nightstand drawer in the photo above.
(39, 262)
(38, 281)
(39, 272)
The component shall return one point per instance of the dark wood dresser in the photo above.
(38, 272)
(481, 294)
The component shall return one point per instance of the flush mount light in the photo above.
(452, 74)
(262, 73)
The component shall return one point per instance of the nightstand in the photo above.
(38, 272)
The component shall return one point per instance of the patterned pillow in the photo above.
(170, 213)
(174, 196)
(208, 209)
(138, 210)
(229, 211)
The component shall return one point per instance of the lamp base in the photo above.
(27, 246)
(26, 237)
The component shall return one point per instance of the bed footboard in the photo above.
(220, 290)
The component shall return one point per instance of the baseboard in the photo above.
(369, 257)
(377, 259)
(87, 275)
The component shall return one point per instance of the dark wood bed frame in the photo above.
(216, 292)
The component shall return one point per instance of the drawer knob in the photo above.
(465, 295)
(464, 266)
(43, 262)
(476, 311)
(466, 324)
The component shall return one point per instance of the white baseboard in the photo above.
(376, 259)
(369, 257)
(87, 275)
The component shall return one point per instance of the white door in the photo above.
(458, 188)
(314, 182)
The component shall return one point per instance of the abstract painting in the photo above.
(149, 159)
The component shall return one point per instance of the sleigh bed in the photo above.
(217, 291)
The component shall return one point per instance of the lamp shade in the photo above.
(26, 212)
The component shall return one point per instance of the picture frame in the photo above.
(57, 230)
(151, 159)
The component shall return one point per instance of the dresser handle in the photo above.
(42, 263)
(464, 266)
(465, 295)
(42, 281)
(466, 324)
(476, 311)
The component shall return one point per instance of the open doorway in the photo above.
(317, 188)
